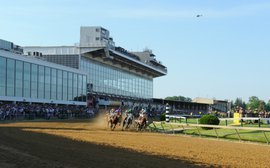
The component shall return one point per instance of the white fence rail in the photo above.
(186, 126)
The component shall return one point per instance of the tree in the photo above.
(238, 102)
(268, 105)
(254, 103)
(262, 106)
(179, 98)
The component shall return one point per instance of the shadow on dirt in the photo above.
(20, 148)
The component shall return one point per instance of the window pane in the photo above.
(19, 79)
(26, 79)
(47, 83)
(3, 76)
(34, 80)
(53, 84)
(65, 85)
(10, 77)
(70, 86)
(75, 86)
(41, 76)
(59, 84)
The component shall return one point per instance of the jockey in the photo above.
(142, 119)
(129, 112)
(142, 115)
(117, 113)
(111, 112)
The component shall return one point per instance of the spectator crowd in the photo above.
(12, 111)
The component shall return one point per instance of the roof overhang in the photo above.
(125, 61)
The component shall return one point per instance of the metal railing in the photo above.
(185, 126)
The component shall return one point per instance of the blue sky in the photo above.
(224, 54)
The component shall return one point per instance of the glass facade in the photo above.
(41, 81)
(110, 80)
(29, 80)
(34, 80)
(10, 77)
(26, 79)
(19, 79)
(3, 71)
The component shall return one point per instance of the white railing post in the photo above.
(167, 113)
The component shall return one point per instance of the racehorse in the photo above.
(141, 122)
(127, 121)
(113, 118)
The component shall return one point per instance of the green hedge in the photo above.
(209, 119)
(163, 117)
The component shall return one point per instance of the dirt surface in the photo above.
(86, 143)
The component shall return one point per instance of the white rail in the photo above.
(215, 127)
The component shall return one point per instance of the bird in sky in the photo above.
(199, 15)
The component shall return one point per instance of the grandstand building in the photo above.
(32, 80)
(96, 70)
(214, 105)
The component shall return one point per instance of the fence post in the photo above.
(184, 129)
(216, 132)
(172, 128)
(167, 113)
(266, 138)
(155, 127)
(238, 135)
(162, 127)
(198, 131)
(259, 121)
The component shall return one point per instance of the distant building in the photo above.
(214, 105)
(10, 47)
(184, 108)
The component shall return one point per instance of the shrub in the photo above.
(163, 117)
(209, 119)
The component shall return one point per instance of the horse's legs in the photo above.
(120, 120)
(124, 125)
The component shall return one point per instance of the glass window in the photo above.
(80, 93)
(84, 88)
(75, 86)
(26, 79)
(3, 76)
(70, 86)
(53, 83)
(111, 80)
(41, 76)
(47, 83)
(34, 80)
(59, 84)
(19, 79)
(10, 77)
(65, 85)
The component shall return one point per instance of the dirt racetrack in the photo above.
(84, 143)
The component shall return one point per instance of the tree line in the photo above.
(254, 104)
(179, 98)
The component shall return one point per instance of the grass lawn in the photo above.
(245, 135)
